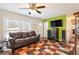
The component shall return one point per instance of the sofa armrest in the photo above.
(10, 38)
(12, 42)
(38, 35)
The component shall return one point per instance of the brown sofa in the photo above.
(20, 39)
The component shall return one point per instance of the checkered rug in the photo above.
(46, 47)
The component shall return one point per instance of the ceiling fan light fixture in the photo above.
(29, 12)
(33, 7)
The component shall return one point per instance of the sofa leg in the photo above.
(12, 52)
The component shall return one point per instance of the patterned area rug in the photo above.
(46, 47)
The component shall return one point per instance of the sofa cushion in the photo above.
(33, 36)
(19, 41)
(15, 35)
(25, 34)
(32, 33)
(27, 38)
(31, 40)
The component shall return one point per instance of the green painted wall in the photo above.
(63, 17)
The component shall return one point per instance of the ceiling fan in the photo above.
(33, 6)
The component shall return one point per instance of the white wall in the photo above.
(11, 15)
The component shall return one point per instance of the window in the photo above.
(16, 26)
(12, 26)
(26, 26)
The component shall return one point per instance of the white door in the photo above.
(45, 28)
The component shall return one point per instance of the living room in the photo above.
(46, 30)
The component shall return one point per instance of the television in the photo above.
(56, 23)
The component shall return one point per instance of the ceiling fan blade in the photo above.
(24, 8)
(40, 7)
(38, 11)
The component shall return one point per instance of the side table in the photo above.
(3, 45)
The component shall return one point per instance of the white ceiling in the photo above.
(52, 9)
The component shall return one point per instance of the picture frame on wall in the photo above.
(77, 26)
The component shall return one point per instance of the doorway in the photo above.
(45, 29)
